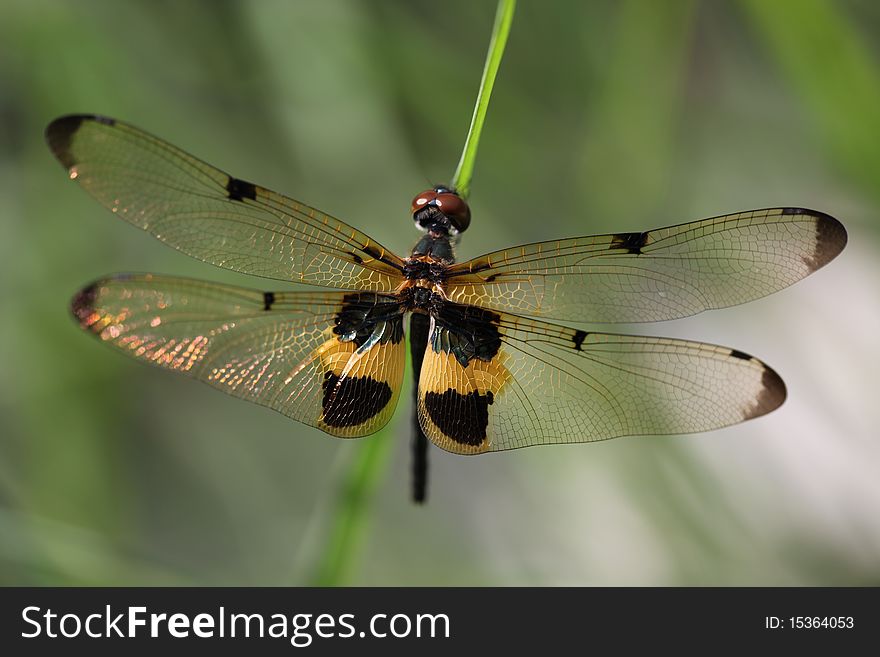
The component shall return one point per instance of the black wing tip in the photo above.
(82, 305)
(59, 134)
(85, 302)
(71, 122)
(831, 236)
(772, 395)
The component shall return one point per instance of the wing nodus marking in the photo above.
(462, 418)
(578, 339)
(268, 300)
(352, 401)
(632, 242)
(239, 190)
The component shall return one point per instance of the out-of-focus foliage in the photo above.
(606, 116)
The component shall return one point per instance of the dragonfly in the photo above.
(494, 370)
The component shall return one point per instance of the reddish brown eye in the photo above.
(423, 199)
(455, 208)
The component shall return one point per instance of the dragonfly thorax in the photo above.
(432, 248)
(419, 297)
(424, 268)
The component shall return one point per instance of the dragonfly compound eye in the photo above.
(455, 209)
(440, 207)
(423, 200)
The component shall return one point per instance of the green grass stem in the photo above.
(461, 180)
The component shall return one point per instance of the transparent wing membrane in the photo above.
(551, 384)
(213, 216)
(275, 349)
(656, 275)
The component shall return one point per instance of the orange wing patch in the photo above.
(360, 385)
(455, 400)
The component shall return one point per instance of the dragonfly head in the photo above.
(442, 210)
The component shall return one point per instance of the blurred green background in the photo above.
(606, 117)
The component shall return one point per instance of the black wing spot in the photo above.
(268, 300)
(632, 242)
(578, 339)
(357, 258)
(462, 418)
(491, 277)
(238, 189)
(736, 353)
(353, 400)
